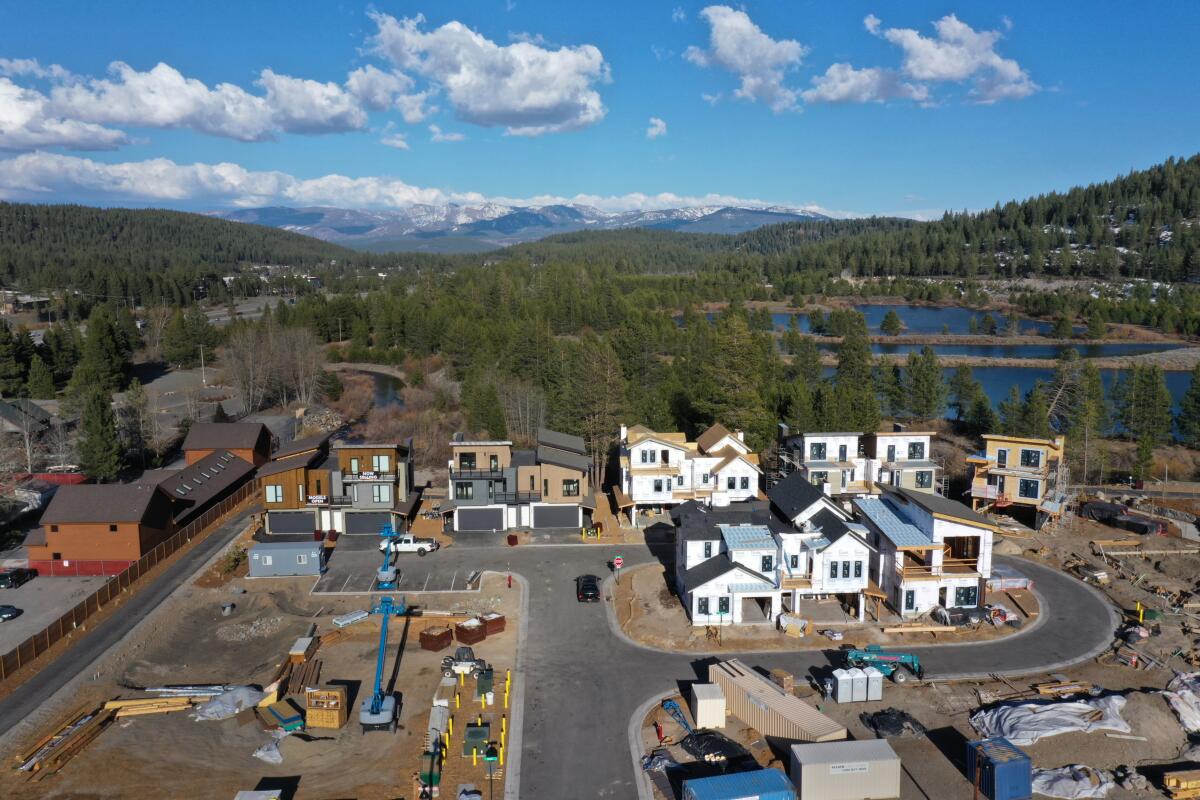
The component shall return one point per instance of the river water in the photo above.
(388, 390)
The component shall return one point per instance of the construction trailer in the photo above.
(851, 770)
(763, 784)
(286, 559)
(762, 705)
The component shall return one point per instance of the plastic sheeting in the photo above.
(230, 703)
(269, 752)
(1183, 695)
(1073, 782)
(1026, 723)
(892, 722)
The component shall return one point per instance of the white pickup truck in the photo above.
(409, 544)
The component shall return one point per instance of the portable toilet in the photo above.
(1000, 769)
(858, 683)
(843, 686)
(708, 705)
(874, 683)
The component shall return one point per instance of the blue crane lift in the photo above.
(378, 712)
(386, 576)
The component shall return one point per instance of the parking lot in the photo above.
(42, 600)
(353, 565)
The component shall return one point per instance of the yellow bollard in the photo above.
(462, 679)
(457, 701)
(503, 722)
(506, 698)
(1141, 612)
(503, 736)
(450, 724)
(474, 757)
(480, 719)
(502, 754)
(446, 737)
(483, 699)
(507, 677)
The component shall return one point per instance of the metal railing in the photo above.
(517, 497)
(949, 566)
(368, 476)
(36, 645)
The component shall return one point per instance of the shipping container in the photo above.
(708, 705)
(759, 703)
(1000, 769)
(493, 623)
(860, 770)
(763, 784)
(470, 632)
(435, 639)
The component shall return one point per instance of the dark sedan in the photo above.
(587, 589)
(9, 612)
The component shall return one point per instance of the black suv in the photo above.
(12, 578)
(587, 589)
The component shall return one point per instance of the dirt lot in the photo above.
(651, 614)
(195, 644)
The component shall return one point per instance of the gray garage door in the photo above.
(367, 521)
(555, 517)
(480, 519)
(291, 521)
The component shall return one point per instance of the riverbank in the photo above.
(365, 366)
(1179, 360)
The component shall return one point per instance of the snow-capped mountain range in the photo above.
(465, 228)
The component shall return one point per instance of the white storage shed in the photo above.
(708, 705)
(851, 770)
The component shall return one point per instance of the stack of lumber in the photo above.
(304, 676)
(52, 752)
(919, 627)
(1182, 785)
(153, 705)
(333, 637)
(1062, 688)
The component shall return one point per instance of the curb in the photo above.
(644, 787)
(512, 778)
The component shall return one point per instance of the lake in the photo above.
(1084, 349)
(388, 390)
(919, 319)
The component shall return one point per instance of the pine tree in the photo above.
(1145, 411)
(1096, 327)
(963, 388)
(1062, 328)
(924, 385)
(891, 325)
(178, 347)
(1010, 413)
(1035, 414)
(99, 446)
(808, 361)
(891, 389)
(980, 418)
(1188, 420)
(40, 385)
(856, 406)
(12, 380)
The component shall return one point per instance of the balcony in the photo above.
(476, 474)
(516, 498)
(986, 492)
(328, 500)
(369, 476)
(949, 568)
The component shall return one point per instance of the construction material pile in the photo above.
(1025, 723)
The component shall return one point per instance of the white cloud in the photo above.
(872, 23)
(759, 62)
(678, 14)
(527, 89)
(439, 135)
(299, 105)
(959, 53)
(31, 67)
(843, 83)
(394, 139)
(375, 88)
(43, 176)
(27, 122)
(656, 129)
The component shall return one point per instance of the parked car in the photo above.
(587, 589)
(12, 578)
(9, 612)
(409, 544)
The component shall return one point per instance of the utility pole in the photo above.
(203, 377)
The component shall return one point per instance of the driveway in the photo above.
(355, 561)
(42, 600)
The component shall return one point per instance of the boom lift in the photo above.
(378, 712)
(886, 661)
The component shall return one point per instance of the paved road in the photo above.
(583, 682)
(31, 694)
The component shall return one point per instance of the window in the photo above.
(653, 456)
(267, 560)
(794, 561)
(354, 470)
(570, 488)
(382, 493)
(466, 461)
(966, 596)
(845, 569)
(731, 483)
(768, 563)
(704, 478)
(464, 491)
(301, 559)
(1001, 458)
(916, 451)
(891, 453)
(56, 556)
(494, 462)
(381, 463)
(274, 493)
(658, 485)
(318, 487)
(679, 480)
(545, 486)
(1031, 458)
(745, 483)
(833, 570)
(702, 606)
(722, 605)
(819, 477)
(645, 456)
(666, 456)
(300, 491)
(1028, 488)
(841, 452)
(708, 549)
(816, 451)
(924, 479)
(910, 600)
(354, 492)
(54, 529)
(112, 528)
(858, 569)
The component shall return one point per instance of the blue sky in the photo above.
(855, 107)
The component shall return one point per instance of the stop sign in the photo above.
(618, 562)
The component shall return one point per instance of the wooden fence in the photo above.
(33, 647)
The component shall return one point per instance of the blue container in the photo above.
(1005, 772)
(763, 784)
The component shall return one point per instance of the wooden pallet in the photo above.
(304, 676)
(1061, 688)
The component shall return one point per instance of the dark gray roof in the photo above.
(298, 446)
(523, 458)
(706, 571)
(936, 504)
(562, 458)
(296, 461)
(695, 522)
(794, 494)
(194, 488)
(19, 418)
(32, 409)
(560, 441)
(227, 436)
(109, 503)
(831, 526)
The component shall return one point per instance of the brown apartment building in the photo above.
(250, 441)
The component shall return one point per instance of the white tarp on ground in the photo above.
(1073, 782)
(1183, 695)
(1025, 723)
(229, 704)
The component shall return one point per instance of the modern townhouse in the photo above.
(904, 458)
(850, 464)
(353, 487)
(662, 470)
(929, 550)
(494, 487)
(1024, 477)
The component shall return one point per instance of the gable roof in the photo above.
(885, 515)
(832, 527)
(943, 507)
(304, 459)
(561, 441)
(194, 487)
(563, 458)
(20, 418)
(711, 437)
(713, 568)
(728, 455)
(794, 494)
(108, 503)
(695, 522)
(747, 537)
(226, 436)
(299, 446)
